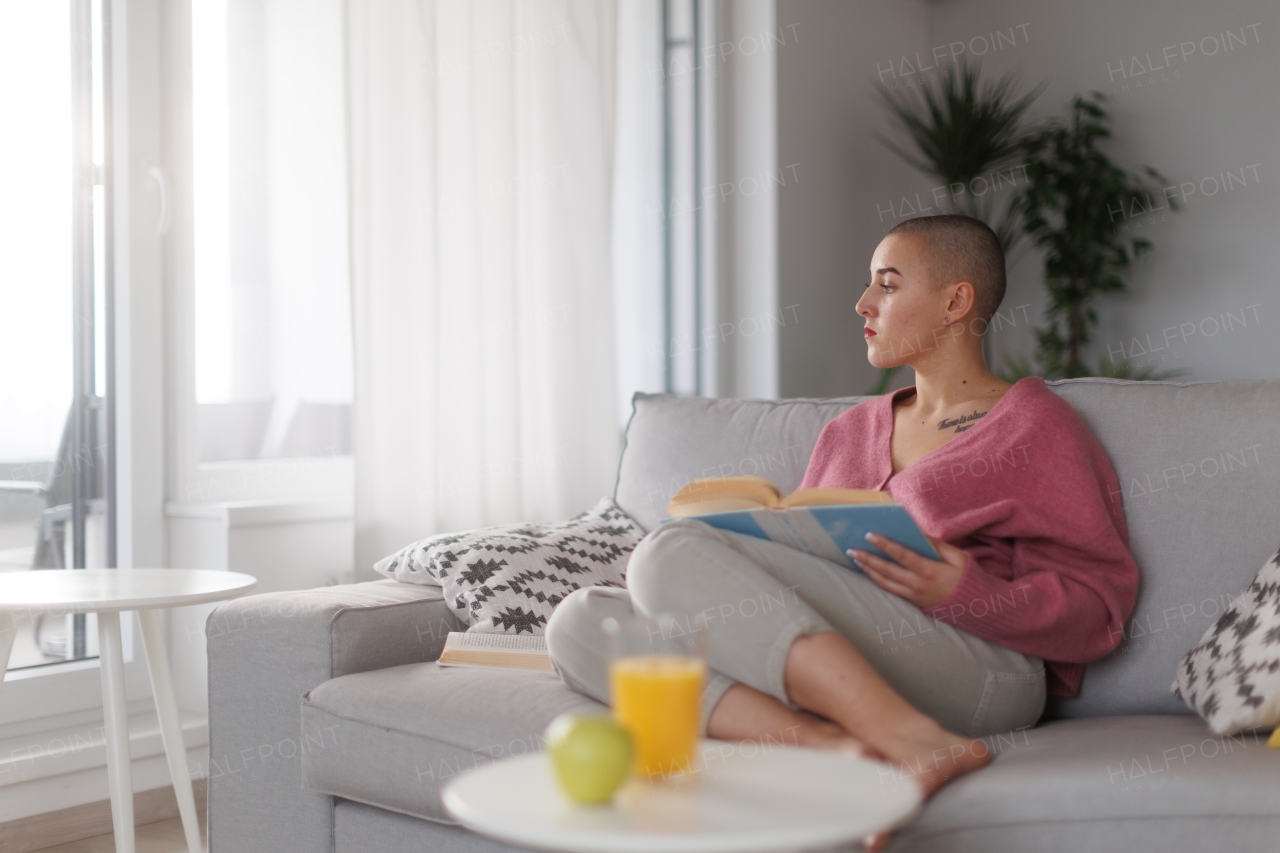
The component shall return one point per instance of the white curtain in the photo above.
(480, 139)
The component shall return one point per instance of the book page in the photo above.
(707, 506)
(831, 497)
(515, 643)
(747, 491)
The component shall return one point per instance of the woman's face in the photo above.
(901, 307)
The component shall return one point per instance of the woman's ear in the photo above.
(962, 299)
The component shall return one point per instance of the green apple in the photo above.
(591, 755)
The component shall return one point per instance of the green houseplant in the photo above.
(1068, 209)
(963, 130)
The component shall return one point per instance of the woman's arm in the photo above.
(1063, 604)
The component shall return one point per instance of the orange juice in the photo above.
(656, 698)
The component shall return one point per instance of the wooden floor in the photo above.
(162, 837)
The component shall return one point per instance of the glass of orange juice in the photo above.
(657, 671)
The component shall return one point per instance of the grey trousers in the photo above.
(756, 597)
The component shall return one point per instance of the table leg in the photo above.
(170, 726)
(8, 630)
(119, 773)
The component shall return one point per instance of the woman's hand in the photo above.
(918, 579)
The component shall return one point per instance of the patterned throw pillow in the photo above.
(508, 579)
(1232, 677)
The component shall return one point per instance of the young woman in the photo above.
(915, 658)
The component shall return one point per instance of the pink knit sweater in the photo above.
(1029, 494)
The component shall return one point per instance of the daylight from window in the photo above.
(272, 298)
(35, 229)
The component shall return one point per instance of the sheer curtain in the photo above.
(480, 140)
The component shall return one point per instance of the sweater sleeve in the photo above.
(1063, 604)
(1056, 580)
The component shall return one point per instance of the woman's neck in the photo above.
(954, 382)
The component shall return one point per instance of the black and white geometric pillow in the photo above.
(508, 579)
(1232, 677)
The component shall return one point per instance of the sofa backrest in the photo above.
(672, 440)
(1198, 464)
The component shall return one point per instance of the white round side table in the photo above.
(106, 592)
(746, 798)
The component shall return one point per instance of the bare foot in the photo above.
(818, 733)
(933, 756)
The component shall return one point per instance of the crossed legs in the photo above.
(845, 704)
(791, 636)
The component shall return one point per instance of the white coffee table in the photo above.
(106, 592)
(746, 799)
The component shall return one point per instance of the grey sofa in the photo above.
(332, 730)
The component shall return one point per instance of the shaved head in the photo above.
(961, 248)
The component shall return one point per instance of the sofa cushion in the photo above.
(508, 578)
(1107, 769)
(359, 828)
(393, 737)
(1232, 677)
(1182, 451)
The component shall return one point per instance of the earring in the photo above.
(945, 319)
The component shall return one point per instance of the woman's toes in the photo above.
(938, 760)
(876, 842)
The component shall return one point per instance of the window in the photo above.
(56, 442)
(665, 207)
(689, 186)
(273, 368)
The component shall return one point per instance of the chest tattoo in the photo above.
(961, 423)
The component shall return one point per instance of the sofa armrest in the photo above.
(265, 652)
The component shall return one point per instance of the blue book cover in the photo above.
(827, 531)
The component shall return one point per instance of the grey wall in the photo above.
(1196, 119)
(827, 221)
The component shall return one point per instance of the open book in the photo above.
(499, 651)
(823, 522)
